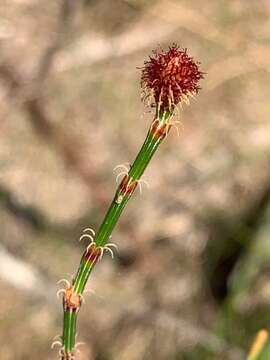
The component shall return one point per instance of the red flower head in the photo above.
(171, 77)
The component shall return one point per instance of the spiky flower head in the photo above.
(171, 77)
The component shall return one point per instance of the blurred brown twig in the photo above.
(29, 94)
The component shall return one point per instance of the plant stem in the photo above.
(70, 318)
(72, 298)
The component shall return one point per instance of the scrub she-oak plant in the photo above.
(169, 78)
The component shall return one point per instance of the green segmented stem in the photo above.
(136, 171)
(89, 258)
(69, 325)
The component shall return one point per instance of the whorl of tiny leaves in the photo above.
(170, 76)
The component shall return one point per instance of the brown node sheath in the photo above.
(67, 356)
(159, 131)
(92, 253)
(127, 185)
(71, 300)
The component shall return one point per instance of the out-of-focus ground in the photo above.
(191, 279)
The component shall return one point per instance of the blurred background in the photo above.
(191, 279)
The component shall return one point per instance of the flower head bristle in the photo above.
(171, 77)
